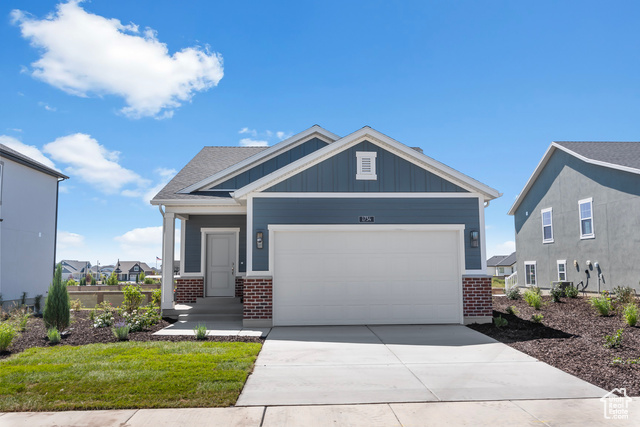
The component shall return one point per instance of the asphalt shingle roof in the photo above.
(209, 161)
(501, 260)
(618, 153)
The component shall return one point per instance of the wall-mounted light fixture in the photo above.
(259, 240)
(474, 237)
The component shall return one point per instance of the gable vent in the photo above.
(366, 165)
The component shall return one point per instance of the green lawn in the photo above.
(497, 282)
(126, 375)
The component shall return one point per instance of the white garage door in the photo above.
(369, 274)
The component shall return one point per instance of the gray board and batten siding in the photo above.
(277, 210)
(271, 165)
(564, 181)
(338, 174)
(193, 238)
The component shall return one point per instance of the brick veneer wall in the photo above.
(476, 296)
(188, 289)
(239, 286)
(258, 298)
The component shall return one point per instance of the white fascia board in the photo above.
(196, 202)
(207, 210)
(384, 142)
(263, 156)
(372, 195)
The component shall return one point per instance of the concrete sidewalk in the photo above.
(567, 412)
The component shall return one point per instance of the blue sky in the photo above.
(120, 95)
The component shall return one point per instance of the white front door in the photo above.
(221, 264)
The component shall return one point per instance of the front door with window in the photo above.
(221, 264)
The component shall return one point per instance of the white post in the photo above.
(168, 243)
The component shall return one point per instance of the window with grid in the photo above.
(586, 218)
(530, 273)
(562, 270)
(547, 226)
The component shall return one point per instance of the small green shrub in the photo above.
(513, 293)
(571, 291)
(556, 292)
(141, 319)
(121, 331)
(54, 335)
(624, 294)
(630, 314)
(602, 304)
(83, 281)
(7, 334)
(22, 322)
(201, 332)
(76, 305)
(156, 296)
(620, 361)
(533, 298)
(500, 321)
(536, 289)
(613, 340)
(132, 297)
(141, 277)
(56, 307)
(512, 310)
(148, 281)
(23, 299)
(537, 318)
(71, 282)
(37, 303)
(113, 279)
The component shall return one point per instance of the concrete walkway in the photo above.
(572, 412)
(326, 365)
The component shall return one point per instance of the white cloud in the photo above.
(283, 135)
(15, 129)
(84, 54)
(248, 142)
(28, 150)
(144, 244)
(246, 130)
(47, 107)
(92, 163)
(68, 240)
(504, 248)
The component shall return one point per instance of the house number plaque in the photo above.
(367, 219)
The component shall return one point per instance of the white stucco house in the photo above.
(28, 223)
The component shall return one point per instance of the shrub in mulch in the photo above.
(571, 337)
(81, 332)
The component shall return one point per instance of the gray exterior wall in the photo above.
(347, 211)
(616, 223)
(338, 174)
(271, 165)
(193, 238)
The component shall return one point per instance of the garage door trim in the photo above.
(459, 228)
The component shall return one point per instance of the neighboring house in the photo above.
(101, 270)
(28, 223)
(129, 271)
(73, 269)
(501, 265)
(323, 230)
(577, 217)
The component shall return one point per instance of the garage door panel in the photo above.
(366, 277)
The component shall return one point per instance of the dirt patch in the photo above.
(571, 338)
(82, 332)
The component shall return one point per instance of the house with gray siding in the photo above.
(28, 223)
(577, 217)
(327, 230)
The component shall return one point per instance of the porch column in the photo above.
(168, 243)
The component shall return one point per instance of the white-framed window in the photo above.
(366, 165)
(547, 225)
(585, 208)
(501, 271)
(562, 270)
(530, 273)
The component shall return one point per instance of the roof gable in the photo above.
(263, 156)
(623, 156)
(368, 134)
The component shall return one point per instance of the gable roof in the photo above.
(502, 260)
(508, 261)
(265, 154)
(624, 156)
(126, 266)
(494, 260)
(18, 157)
(209, 161)
(76, 265)
(378, 138)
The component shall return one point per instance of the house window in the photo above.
(135, 268)
(501, 271)
(547, 226)
(366, 165)
(586, 218)
(530, 273)
(562, 270)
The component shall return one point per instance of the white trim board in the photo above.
(381, 140)
(263, 156)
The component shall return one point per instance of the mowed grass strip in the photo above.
(126, 375)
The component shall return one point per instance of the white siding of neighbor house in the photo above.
(27, 232)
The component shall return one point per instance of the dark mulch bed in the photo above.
(81, 332)
(571, 338)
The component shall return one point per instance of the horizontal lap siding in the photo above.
(193, 238)
(347, 211)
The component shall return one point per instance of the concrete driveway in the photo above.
(405, 363)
